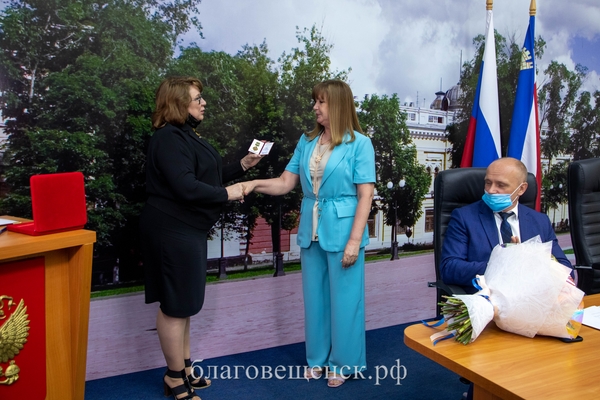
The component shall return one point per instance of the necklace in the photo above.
(196, 132)
(320, 153)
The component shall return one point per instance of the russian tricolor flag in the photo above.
(524, 141)
(482, 145)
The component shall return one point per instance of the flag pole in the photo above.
(538, 177)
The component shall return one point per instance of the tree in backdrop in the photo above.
(557, 99)
(39, 39)
(77, 83)
(263, 122)
(290, 116)
(395, 160)
(554, 188)
(240, 93)
(585, 126)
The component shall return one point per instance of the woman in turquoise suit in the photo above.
(335, 164)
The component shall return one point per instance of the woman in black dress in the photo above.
(184, 182)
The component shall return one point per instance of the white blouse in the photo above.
(318, 161)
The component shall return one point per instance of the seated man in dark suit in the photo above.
(474, 230)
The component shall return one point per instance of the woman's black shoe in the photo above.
(198, 383)
(177, 391)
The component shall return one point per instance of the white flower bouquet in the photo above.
(524, 290)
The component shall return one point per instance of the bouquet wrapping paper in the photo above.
(525, 291)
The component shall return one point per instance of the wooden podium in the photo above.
(67, 283)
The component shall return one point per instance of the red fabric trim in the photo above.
(538, 177)
(467, 157)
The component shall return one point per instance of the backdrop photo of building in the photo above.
(427, 124)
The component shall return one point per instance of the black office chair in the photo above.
(584, 221)
(455, 188)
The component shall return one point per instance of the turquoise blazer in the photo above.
(350, 163)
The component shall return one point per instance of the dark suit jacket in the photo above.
(185, 176)
(472, 234)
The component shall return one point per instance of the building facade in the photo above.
(427, 127)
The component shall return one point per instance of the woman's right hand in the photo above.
(248, 187)
(235, 192)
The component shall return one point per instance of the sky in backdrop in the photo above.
(409, 47)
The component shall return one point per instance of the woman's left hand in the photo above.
(250, 161)
(350, 254)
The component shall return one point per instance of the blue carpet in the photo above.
(417, 378)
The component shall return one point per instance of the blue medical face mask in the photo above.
(499, 201)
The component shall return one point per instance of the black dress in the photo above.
(174, 263)
(184, 181)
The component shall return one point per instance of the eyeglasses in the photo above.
(198, 98)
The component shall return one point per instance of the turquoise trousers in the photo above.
(334, 310)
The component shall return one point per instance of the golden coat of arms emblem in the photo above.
(14, 329)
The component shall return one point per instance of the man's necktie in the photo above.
(505, 229)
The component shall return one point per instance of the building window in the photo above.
(436, 120)
(429, 220)
(400, 229)
(412, 116)
(371, 225)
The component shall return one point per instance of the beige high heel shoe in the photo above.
(335, 380)
(313, 372)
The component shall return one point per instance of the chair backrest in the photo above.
(454, 188)
(584, 210)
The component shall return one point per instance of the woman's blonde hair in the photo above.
(172, 100)
(342, 112)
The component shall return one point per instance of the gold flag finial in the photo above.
(490, 4)
(532, 8)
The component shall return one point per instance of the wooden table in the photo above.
(504, 365)
(67, 282)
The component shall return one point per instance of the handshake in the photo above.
(237, 191)
(273, 186)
